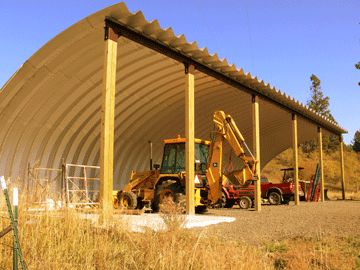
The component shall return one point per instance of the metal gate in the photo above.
(82, 185)
(44, 184)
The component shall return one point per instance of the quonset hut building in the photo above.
(51, 108)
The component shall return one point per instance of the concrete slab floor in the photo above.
(158, 222)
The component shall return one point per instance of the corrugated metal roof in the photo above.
(50, 109)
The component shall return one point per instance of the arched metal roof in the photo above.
(50, 108)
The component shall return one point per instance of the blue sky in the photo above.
(281, 41)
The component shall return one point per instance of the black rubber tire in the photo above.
(287, 200)
(225, 202)
(201, 209)
(127, 200)
(244, 202)
(222, 200)
(274, 198)
(174, 190)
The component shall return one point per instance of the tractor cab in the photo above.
(173, 161)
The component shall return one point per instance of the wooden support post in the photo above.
(107, 123)
(321, 162)
(256, 149)
(190, 138)
(342, 167)
(295, 158)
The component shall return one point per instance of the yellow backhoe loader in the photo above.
(149, 188)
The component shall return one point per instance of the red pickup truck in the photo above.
(277, 193)
(274, 193)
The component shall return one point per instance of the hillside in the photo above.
(332, 172)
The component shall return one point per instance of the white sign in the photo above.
(15, 197)
(2, 182)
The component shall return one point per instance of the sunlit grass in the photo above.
(64, 241)
(61, 240)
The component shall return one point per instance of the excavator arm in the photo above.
(225, 128)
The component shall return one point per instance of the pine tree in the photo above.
(320, 104)
(356, 142)
(357, 66)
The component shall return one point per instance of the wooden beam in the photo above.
(295, 158)
(342, 167)
(190, 138)
(321, 162)
(107, 123)
(256, 149)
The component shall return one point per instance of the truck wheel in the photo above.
(127, 200)
(244, 202)
(274, 198)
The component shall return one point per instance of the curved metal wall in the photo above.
(50, 109)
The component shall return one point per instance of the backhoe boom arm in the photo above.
(225, 128)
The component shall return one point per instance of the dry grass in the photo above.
(61, 240)
(350, 195)
(317, 252)
(64, 241)
(173, 215)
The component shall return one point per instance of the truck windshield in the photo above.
(174, 158)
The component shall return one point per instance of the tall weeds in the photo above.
(64, 241)
(61, 240)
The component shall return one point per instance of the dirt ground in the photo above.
(331, 218)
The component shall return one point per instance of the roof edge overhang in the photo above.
(221, 70)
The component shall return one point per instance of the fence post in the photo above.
(16, 214)
(28, 185)
(13, 224)
(63, 192)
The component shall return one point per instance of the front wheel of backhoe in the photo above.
(167, 192)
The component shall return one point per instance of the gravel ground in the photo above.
(331, 218)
